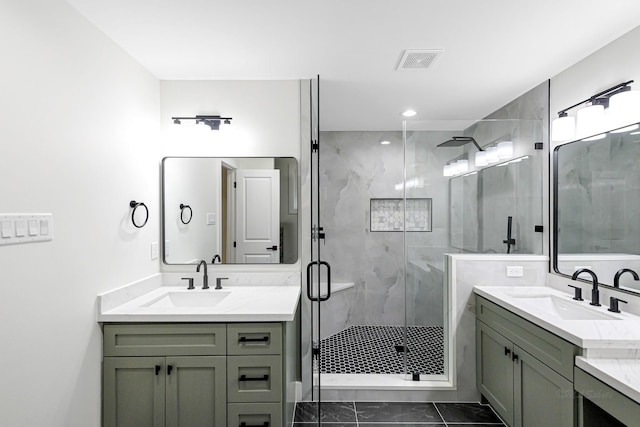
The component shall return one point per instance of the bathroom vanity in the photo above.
(197, 358)
(535, 350)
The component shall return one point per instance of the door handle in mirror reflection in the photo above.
(272, 248)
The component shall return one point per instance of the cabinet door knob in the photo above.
(157, 369)
(169, 369)
(515, 358)
(507, 351)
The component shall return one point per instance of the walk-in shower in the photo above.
(388, 214)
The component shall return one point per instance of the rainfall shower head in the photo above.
(459, 141)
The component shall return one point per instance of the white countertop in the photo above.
(620, 374)
(622, 332)
(255, 303)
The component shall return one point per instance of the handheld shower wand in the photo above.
(509, 240)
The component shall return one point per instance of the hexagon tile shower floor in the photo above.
(379, 350)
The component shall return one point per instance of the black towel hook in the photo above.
(135, 205)
(183, 208)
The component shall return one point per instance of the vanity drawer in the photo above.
(548, 348)
(254, 379)
(256, 414)
(254, 338)
(189, 339)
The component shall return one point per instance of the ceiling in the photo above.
(494, 50)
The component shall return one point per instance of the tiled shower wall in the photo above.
(355, 169)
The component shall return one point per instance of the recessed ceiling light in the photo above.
(385, 142)
(409, 113)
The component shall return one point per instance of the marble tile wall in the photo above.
(355, 169)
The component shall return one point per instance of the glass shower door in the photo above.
(318, 271)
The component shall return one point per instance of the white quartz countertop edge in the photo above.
(623, 333)
(622, 375)
(261, 303)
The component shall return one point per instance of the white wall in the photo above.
(266, 118)
(78, 139)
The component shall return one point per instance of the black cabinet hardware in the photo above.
(245, 339)
(246, 378)
(265, 424)
(507, 351)
(272, 248)
(169, 369)
(157, 369)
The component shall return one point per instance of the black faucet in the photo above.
(616, 278)
(205, 279)
(219, 282)
(216, 257)
(595, 293)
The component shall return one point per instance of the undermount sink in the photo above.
(189, 299)
(565, 309)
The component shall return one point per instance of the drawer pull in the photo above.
(246, 378)
(265, 424)
(169, 369)
(245, 339)
(157, 369)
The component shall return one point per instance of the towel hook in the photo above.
(183, 208)
(135, 205)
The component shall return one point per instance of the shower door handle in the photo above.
(326, 264)
(319, 298)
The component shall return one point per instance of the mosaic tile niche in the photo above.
(387, 215)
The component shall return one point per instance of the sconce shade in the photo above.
(563, 128)
(505, 150)
(492, 155)
(590, 120)
(462, 166)
(448, 170)
(624, 108)
(481, 158)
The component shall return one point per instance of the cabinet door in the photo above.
(196, 391)
(494, 370)
(542, 396)
(134, 391)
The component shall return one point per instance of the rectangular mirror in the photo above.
(241, 210)
(597, 206)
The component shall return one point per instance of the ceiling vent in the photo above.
(418, 59)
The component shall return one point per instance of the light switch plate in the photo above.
(515, 271)
(211, 219)
(154, 250)
(25, 228)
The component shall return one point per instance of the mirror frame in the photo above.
(163, 230)
(554, 214)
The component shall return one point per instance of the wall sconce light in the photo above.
(609, 109)
(212, 121)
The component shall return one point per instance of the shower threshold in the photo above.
(383, 382)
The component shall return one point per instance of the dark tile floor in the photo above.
(396, 414)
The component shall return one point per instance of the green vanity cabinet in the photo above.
(193, 375)
(525, 372)
(164, 375)
(601, 405)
